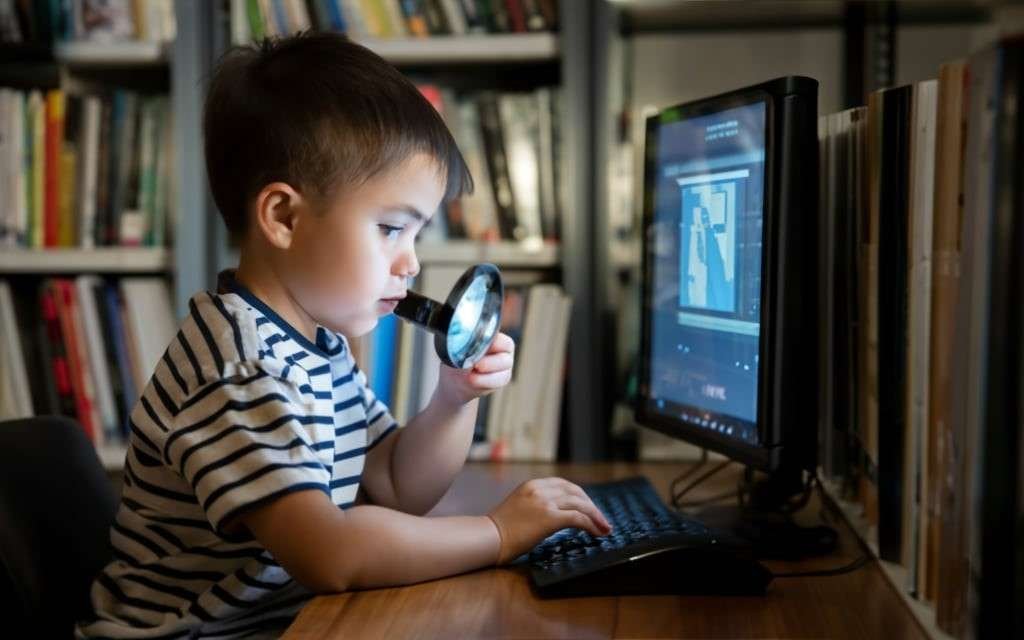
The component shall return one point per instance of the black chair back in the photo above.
(56, 507)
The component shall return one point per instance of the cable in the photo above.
(786, 509)
(853, 566)
(705, 501)
(689, 472)
(677, 497)
(832, 508)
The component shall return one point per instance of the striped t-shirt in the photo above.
(241, 409)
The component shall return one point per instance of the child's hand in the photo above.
(493, 371)
(540, 507)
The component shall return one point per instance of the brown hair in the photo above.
(317, 111)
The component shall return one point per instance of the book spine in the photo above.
(497, 164)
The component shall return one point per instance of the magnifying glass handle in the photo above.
(421, 310)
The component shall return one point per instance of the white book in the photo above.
(17, 401)
(919, 286)
(479, 209)
(403, 372)
(89, 162)
(7, 160)
(519, 127)
(271, 26)
(454, 17)
(240, 30)
(168, 21)
(151, 320)
(549, 399)
(17, 183)
(96, 355)
(153, 20)
(517, 418)
(298, 15)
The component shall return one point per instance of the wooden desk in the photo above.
(498, 603)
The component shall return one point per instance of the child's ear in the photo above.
(277, 208)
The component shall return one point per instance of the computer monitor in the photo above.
(728, 351)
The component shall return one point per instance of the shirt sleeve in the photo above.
(379, 420)
(243, 442)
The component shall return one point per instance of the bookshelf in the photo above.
(200, 248)
(85, 67)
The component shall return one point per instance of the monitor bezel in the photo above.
(759, 454)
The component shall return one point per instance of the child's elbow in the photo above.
(324, 578)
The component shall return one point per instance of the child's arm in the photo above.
(411, 470)
(327, 549)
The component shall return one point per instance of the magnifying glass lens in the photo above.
(466, 324)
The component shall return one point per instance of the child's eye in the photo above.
(389, 231)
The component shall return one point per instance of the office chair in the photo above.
(56, 508)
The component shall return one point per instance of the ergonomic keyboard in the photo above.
(652, 549)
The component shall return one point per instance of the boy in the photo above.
(261, 469)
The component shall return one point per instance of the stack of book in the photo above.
(511, 143)
(921, 436)
(255, 19)
(82, 347)
(518, 422)
(87, 20)
(84, 170)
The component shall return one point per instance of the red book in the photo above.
(81, 378)
(58, 359)
(516, 16)
(54, 141)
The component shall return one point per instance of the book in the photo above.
(519, 125)
(919, 284)
(14, 387)
(385, 349)
(497, 165)
(96, 353)
(943, 528)
(151, 321)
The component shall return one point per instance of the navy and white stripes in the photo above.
(241, 409)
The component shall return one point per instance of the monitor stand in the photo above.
(765, 521)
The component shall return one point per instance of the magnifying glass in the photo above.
(467, 322)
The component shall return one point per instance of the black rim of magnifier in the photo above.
(492, 304)
(436, 316)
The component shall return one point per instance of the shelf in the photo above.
(652, 16)
(112, 456)
(466, 49)
(127, 53)
(502, 254)
(100, 260)
(894, 573)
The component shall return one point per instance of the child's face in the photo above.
(359, 252)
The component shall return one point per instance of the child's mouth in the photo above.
(387, 305)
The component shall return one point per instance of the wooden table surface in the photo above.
(498, 603)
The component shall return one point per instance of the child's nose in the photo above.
(408, 265)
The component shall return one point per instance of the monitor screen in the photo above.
(706, 175)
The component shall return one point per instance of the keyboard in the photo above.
(652, 549)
